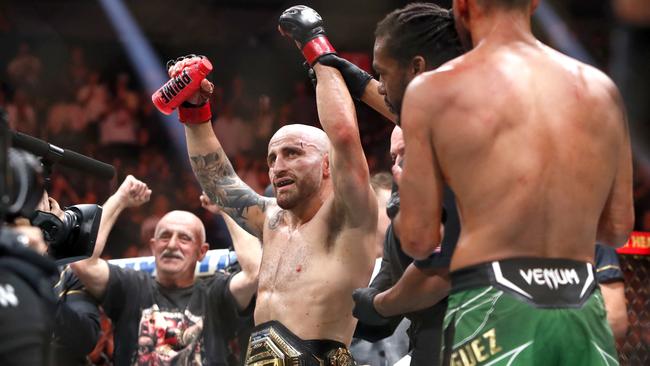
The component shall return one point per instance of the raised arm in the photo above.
(617, 219)
(374, 100)
(360, 84)
(219, 181)
(421, 183)
(352, 193)
(210, 164)
(347, 161)
(243, 284)
(93, 272)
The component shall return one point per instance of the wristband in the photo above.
(194, 114)
(317, 47)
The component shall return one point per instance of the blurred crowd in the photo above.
(108, 116)
(87, 98)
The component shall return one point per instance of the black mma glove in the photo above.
(355, 78)
(393, 203)
(305, 26)
(364, 309)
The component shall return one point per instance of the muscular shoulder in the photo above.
(432, 94)
(607, 92)
(593, 81)
(602, 98)
(600, 85)
(440, 83)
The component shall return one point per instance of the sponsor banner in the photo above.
(638, 244)
(215, 260)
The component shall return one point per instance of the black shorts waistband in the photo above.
(542, 282)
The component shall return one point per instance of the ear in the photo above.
(152, 243)
(461, 9)
(418, 65)
(326, 165)
(533, 6)
(202, 251)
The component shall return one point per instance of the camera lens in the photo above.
(25, 184)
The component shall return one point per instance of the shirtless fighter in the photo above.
(318, 233)
(536, 147)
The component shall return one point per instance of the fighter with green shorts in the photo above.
(536, 147)
(527, 311)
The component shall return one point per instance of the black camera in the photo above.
(22, 185)
(72, 238)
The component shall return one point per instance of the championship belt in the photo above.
(272, 344)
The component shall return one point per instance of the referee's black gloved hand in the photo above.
(355, 78)
(364, 308)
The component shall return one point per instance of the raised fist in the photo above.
(133, 193)
(207, 204)
(305, 26)
(188, 89)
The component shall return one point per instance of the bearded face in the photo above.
(297, 162)
(393, 77)
(294, 188)
(296, 174)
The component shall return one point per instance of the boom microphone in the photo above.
(67, 158)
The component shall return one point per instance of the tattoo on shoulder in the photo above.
(220, 182)
(276, 219)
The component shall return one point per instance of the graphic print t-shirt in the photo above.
(155, 325)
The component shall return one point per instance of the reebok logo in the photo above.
(551, 277)
(7, 296)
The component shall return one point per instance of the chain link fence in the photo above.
(634, 350)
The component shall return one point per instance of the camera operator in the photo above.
(26, 276)
(69, 319)
(76, 319)
(26, 297)
(29, 310)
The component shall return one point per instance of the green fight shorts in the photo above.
(527, 311)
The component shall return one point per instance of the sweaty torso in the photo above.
(529, 148)
(308, 274)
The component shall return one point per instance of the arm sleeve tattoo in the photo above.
(220, 182)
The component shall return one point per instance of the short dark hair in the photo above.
(423, 29)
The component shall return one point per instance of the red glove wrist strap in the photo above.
(317, 47)
(195, 115)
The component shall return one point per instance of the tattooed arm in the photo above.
(220, 182)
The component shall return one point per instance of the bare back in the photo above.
(308, 274)
(531, 144)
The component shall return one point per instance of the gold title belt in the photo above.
(274, 345)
